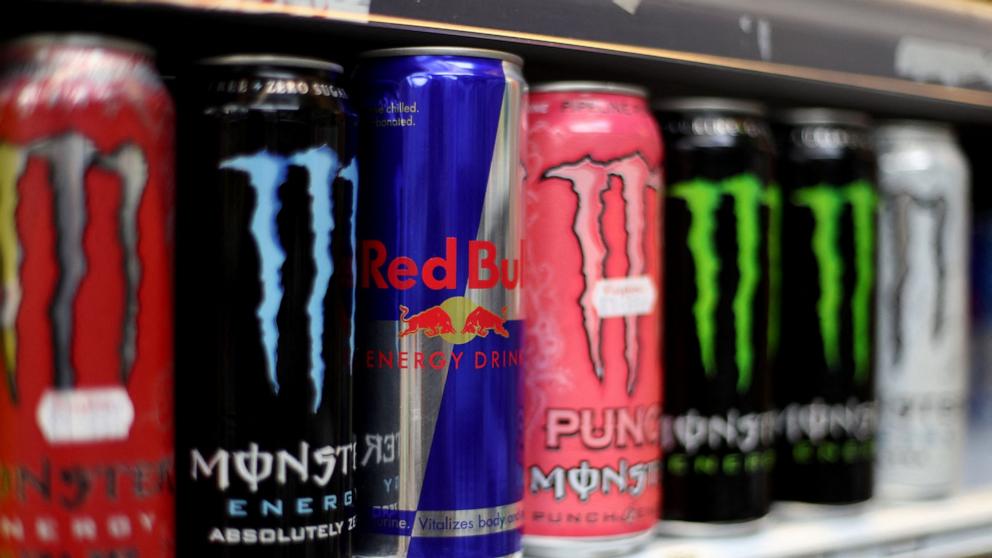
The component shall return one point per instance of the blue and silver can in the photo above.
(438, 342)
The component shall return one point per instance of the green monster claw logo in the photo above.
(703, 199)
(827, 205)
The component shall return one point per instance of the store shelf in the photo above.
(956, 527)
(905, 57)
(959, 526)
(840, 40)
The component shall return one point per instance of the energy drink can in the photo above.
(923, 242)
(438, 350)
(592, 349)
(266, 272)
(825, 372)
(86, 204)
(721, 245)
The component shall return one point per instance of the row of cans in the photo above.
(433, 316)
(859, 365)
(808, 261)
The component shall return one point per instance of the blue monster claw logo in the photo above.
(267, 172)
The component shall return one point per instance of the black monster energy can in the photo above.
(721, 216)
(824, 375)
(266, 273)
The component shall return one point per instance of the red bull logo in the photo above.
(457, 321)
(474, 321)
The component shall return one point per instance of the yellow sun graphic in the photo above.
(458, 307)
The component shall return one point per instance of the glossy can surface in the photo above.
(825, 372)
(438, 347)
(721, 244)
(923, 241)
(266, 272)
(593, 374)
(86, 204)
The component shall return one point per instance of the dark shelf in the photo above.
(891, 57)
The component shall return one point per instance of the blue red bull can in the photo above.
(438, 340)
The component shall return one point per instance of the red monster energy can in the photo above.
(593, 367)
(86, 198)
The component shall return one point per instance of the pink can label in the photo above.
(592, 345)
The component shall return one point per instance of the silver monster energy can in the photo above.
(922, 354)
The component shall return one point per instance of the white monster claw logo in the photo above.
(590, 180)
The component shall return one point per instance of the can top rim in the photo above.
(590, 87)
(717, 104)
(443, 51)
(272, 60)
(85, 40)
(889, 128)
(823, 115)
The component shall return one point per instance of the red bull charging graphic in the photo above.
(592, 346)
(437, 321)
(439, 324)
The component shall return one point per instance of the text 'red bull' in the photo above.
(485, 271)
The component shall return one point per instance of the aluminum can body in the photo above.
(722, 215)
(265, 273)
(922, 309)
(825, 371)
(438, 345)
(86, 205)
(593, 303)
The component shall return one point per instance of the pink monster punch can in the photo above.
(593, 340)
